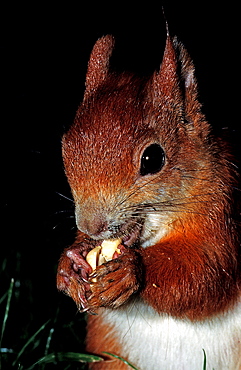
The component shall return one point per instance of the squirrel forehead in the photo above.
(104, 138)
(113, 113)
(114, 124)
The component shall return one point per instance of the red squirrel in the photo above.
(144, 166)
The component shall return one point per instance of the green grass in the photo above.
(39, 349)
(40, 328)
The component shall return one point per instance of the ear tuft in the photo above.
(175, 84)
(189, 84)
(187, 67)
(168, 69)
(165, 82)
(98, 65)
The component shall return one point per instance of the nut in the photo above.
(103, 253)
(93, 257)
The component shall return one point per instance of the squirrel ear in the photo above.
(166, 80)
(98, 65)
(176, 82)
(188, 84)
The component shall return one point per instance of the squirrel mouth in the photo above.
(131, 233)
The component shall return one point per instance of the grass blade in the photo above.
(48, 341)
(3, 297)
(65, 356)
(204, 360)
(10, 292)
(122, 359)
(29, 341)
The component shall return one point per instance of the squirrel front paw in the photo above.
(72, 275)
(110, 285)
(116, 281)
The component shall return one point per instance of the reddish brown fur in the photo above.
(192, 271)
(96, 329)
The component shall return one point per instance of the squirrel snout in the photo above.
(94, 225)
(92, 220)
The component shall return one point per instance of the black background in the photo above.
(45, 50)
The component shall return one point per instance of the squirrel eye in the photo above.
(152, 160)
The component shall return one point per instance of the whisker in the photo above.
(65, 211)
(173, 202)
(211, 181)
(186, 175)
(64, 196)
(174, 205)
(136, 190)
(59, 224)
(145, 211)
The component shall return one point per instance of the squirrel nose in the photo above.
(95, 227)
(92, 225)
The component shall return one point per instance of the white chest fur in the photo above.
(152, 341)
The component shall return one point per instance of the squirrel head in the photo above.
(139, 151)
